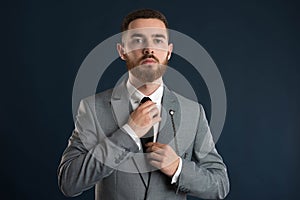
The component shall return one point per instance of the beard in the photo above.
(147, 72)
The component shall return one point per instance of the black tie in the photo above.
(149, 135)
(144, 100)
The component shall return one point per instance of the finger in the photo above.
(154, 163)
(154, 156)
(155, 120)
(149, 144)
(154, 112)
(154, 145)
(155, 149)
(157, 144)
(146, 104)
(150, 110)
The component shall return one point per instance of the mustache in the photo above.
(149, 56)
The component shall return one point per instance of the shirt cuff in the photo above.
(132, 134)
(177, 173)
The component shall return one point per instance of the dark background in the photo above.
(255, 45)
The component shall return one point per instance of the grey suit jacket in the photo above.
(103, 155)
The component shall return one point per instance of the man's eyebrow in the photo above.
(137, 35)
(159, 36)
(153, 36)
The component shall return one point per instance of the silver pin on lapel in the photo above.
(171, 112)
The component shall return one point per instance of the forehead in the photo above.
(146, 23)
(146, 27)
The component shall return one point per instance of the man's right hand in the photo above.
(143, 118)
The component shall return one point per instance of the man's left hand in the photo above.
(163, 157)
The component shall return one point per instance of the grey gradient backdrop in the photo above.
(255, 44)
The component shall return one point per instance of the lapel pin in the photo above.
(171, 112)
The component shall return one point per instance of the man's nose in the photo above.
(148, 47)
(148, 50)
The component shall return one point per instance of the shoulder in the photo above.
(187, 104)
(186, 100)
(100, 98)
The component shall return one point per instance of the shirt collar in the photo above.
(136, 96)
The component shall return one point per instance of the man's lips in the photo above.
(148, 61)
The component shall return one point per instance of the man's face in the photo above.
(145, 49)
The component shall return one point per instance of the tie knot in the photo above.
(145, 99)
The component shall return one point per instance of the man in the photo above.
(140, 140)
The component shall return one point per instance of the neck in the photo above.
(146, 88)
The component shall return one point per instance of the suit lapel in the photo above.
(166, 131)
(120, 104)
(185, 115)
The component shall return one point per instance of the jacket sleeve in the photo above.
(91, 155)
(205, 174)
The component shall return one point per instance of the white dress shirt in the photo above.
(135, 97)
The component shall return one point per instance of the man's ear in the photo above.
(121, 51)
(170, 49)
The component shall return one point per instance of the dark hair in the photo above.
(144, 14)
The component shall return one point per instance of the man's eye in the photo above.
(158, 41)
(138, 41)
